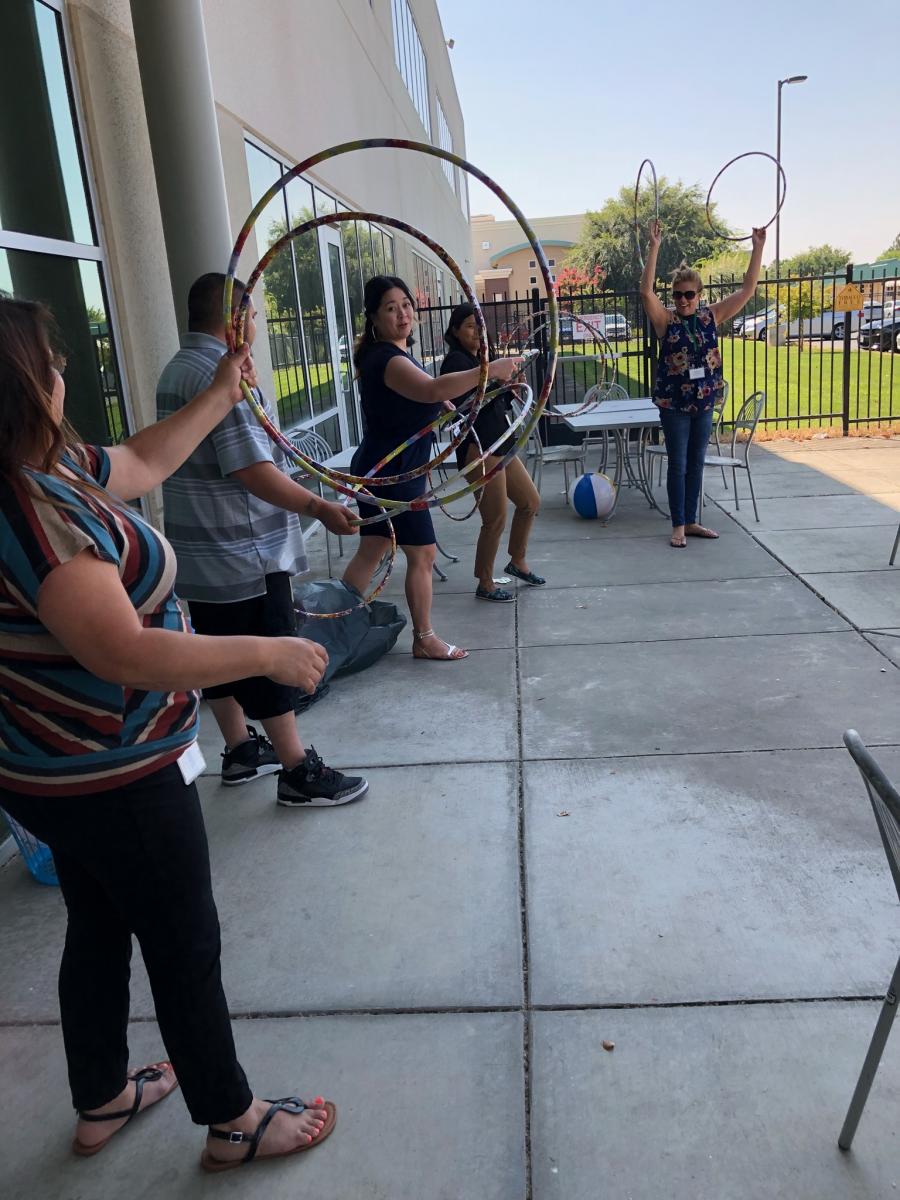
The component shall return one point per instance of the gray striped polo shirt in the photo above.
(226, 539)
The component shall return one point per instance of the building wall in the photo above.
(300, 75)
(501, 236)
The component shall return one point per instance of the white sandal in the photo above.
(450, 656)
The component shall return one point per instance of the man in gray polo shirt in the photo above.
(232, 516)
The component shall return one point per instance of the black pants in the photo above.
(269, 615)
(135, 861)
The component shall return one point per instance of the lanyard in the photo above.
(693, 336)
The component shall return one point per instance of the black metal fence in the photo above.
(818, 367)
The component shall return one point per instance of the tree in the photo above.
(608, 240)
(817, 260)
(893, 250)
(573, 279)
(726, 267)
(278, 277)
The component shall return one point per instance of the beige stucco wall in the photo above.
(501, 235)
(300, 75)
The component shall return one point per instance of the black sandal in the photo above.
(139, 1078)
(290, 1104)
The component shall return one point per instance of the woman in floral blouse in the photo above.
(689, 382)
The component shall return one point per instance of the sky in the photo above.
(562, 101)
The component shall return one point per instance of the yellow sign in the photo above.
(848, 299)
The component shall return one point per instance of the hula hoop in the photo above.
(598, 337)
(648, 162)
(343, 482)
(782, 192)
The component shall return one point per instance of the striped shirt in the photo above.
(63, 731)
(226, 539)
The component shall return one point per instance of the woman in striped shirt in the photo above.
(98, 725)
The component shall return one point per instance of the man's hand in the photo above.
(299, 663)
(336, 518)
(232, 368)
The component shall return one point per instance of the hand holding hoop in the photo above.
(782, 192)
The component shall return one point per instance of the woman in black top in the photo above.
(513, 482)
(398, 399)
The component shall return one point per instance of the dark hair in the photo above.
(205, 301)
(372, 297)
(28, 431)
(461, 313)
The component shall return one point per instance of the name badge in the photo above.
(191, 763)
(697, 373)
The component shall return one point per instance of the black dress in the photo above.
(388, 420)
(493, 420)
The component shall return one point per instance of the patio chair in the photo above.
(313, 445)
(658, 450)
(747, 419)
(537, 455)
(597, 394)
(885, 801)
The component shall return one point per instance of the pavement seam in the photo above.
(523, 908)
(858, 628)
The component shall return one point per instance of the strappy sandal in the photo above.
(450, 656)
(290, 1104)
(678, 544)
(528, 577)
(700, 531)
(145, 1075)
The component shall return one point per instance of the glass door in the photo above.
(341, 334)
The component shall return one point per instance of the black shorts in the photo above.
(270, 615)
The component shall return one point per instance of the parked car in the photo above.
(881, 335)
(755, 325)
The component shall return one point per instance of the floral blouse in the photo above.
(690, 346)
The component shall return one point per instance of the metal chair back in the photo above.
(604, 391)
(885, 800)
(747, 419)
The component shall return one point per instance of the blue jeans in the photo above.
(687, 437)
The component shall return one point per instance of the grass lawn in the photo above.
(290, 391)
(800, 383)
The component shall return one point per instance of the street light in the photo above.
(781, 83)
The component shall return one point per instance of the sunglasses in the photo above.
(676, 295)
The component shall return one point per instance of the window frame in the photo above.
(59, 248)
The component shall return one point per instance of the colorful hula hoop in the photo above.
(648, 162)
(782, 192)
(343, 482)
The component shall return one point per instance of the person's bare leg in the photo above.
(231, 720)
(363, 564)
(419, 561)
(90, 1133)
(282, 732)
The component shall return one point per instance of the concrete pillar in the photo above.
(184, 137)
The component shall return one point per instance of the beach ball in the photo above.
(593, 496)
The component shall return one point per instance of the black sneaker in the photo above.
(313, 785)
(250, 760)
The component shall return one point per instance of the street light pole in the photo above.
(781, 83)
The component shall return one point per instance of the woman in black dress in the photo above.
(513, 482)
(398, 399)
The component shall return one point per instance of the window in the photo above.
(49, 246)
(532, 263)
(410, 59)
(552, 262)
(445, 141)
(533, 279)
(485, 245)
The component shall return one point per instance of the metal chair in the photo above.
(658, 450)
(313, 445)
(747, 419)
(885, 801)
(537, 454)
(597, 394)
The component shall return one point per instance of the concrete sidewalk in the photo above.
(627, 818)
